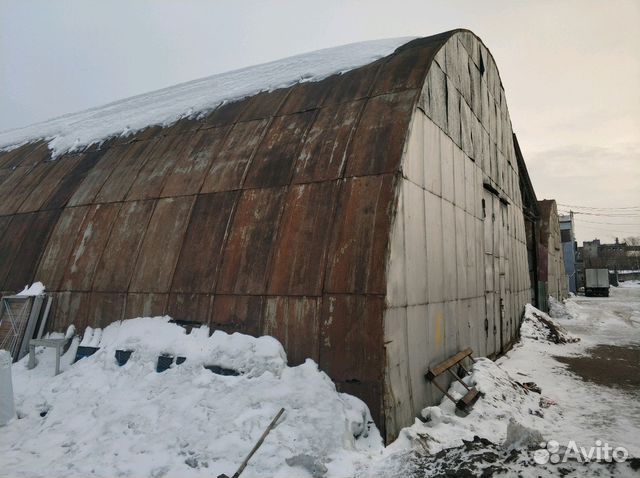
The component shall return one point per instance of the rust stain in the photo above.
(59, 247)
(358, 248)
(378, 142)
(201, 253)
(161, 246)
(273, 162)
(88, 246)
(301, 249)
(230, 165)
(114, 269)
(324, 153)
(241, 313)
(246, 256)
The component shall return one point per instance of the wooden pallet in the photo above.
(447, 366)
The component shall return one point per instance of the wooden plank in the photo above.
(450, 362)
(468, 399)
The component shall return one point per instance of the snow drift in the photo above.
(195, 98)
(99, 419)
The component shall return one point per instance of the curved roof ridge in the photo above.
(168, 105)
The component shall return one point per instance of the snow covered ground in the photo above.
(569, 407)
(195, 98)
(99, 419)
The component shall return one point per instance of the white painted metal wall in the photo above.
(458, 273)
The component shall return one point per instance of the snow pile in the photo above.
(37, 288)
(149, 337)
(503, 400)
(629, 284)
(561, 309)
(537, 325)
(194, 98)
(99, 419)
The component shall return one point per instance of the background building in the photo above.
(552, 278)
(568, 238)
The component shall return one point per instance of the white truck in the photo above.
(596, 282)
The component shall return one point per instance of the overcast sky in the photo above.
(571, 69)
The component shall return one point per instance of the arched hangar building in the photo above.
(372, 221)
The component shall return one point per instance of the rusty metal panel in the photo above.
(158, 164)
(294, 321)
(88, 246)
(15, 234)
(105, 308)
(50, 180)
(360, 236)
(27, 184)
(161, 246)
(353, 85)
(28, 155)
(307, 96)
(230, 165)
(145, 134)
(4, 224)
(69, 308)
(91, 180)
(135, 157)
(378, 142)
(30, 251)
(70, 181)
(201, 253)
(190, 169)
(323, 155)
(114, 270)
(12, 182)
(301, 248)
(351, 338)
(58, 249)
(264, 105)
(252, 237)
(192, 307)
(273, 162)
(4, 173)
(405, 70)
(145, 305)
(237, 313)
(7, 156)
(226, 113)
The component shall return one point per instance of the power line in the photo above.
(600, 214)
(598, 208)
(610, 223)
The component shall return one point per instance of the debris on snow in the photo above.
(503, 399)
(539, 326)
(519, 436)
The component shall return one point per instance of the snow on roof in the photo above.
(166, 106)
